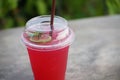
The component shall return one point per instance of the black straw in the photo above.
(52, 15)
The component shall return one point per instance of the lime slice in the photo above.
(41, 40)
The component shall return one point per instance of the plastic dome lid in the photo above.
(37, 33)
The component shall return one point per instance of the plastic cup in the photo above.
(48, 54)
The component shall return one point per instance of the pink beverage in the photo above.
(48, 54)
(49, 65)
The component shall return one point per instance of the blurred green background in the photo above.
(14, 13)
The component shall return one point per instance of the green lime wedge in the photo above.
(42, 40)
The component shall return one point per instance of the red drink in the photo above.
(48, 54)
(49, 65)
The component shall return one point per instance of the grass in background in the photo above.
(17, 12)
(113, 6)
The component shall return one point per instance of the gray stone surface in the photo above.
(94, 55)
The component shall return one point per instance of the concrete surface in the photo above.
(94, 55)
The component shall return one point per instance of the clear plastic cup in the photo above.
(48, 49)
